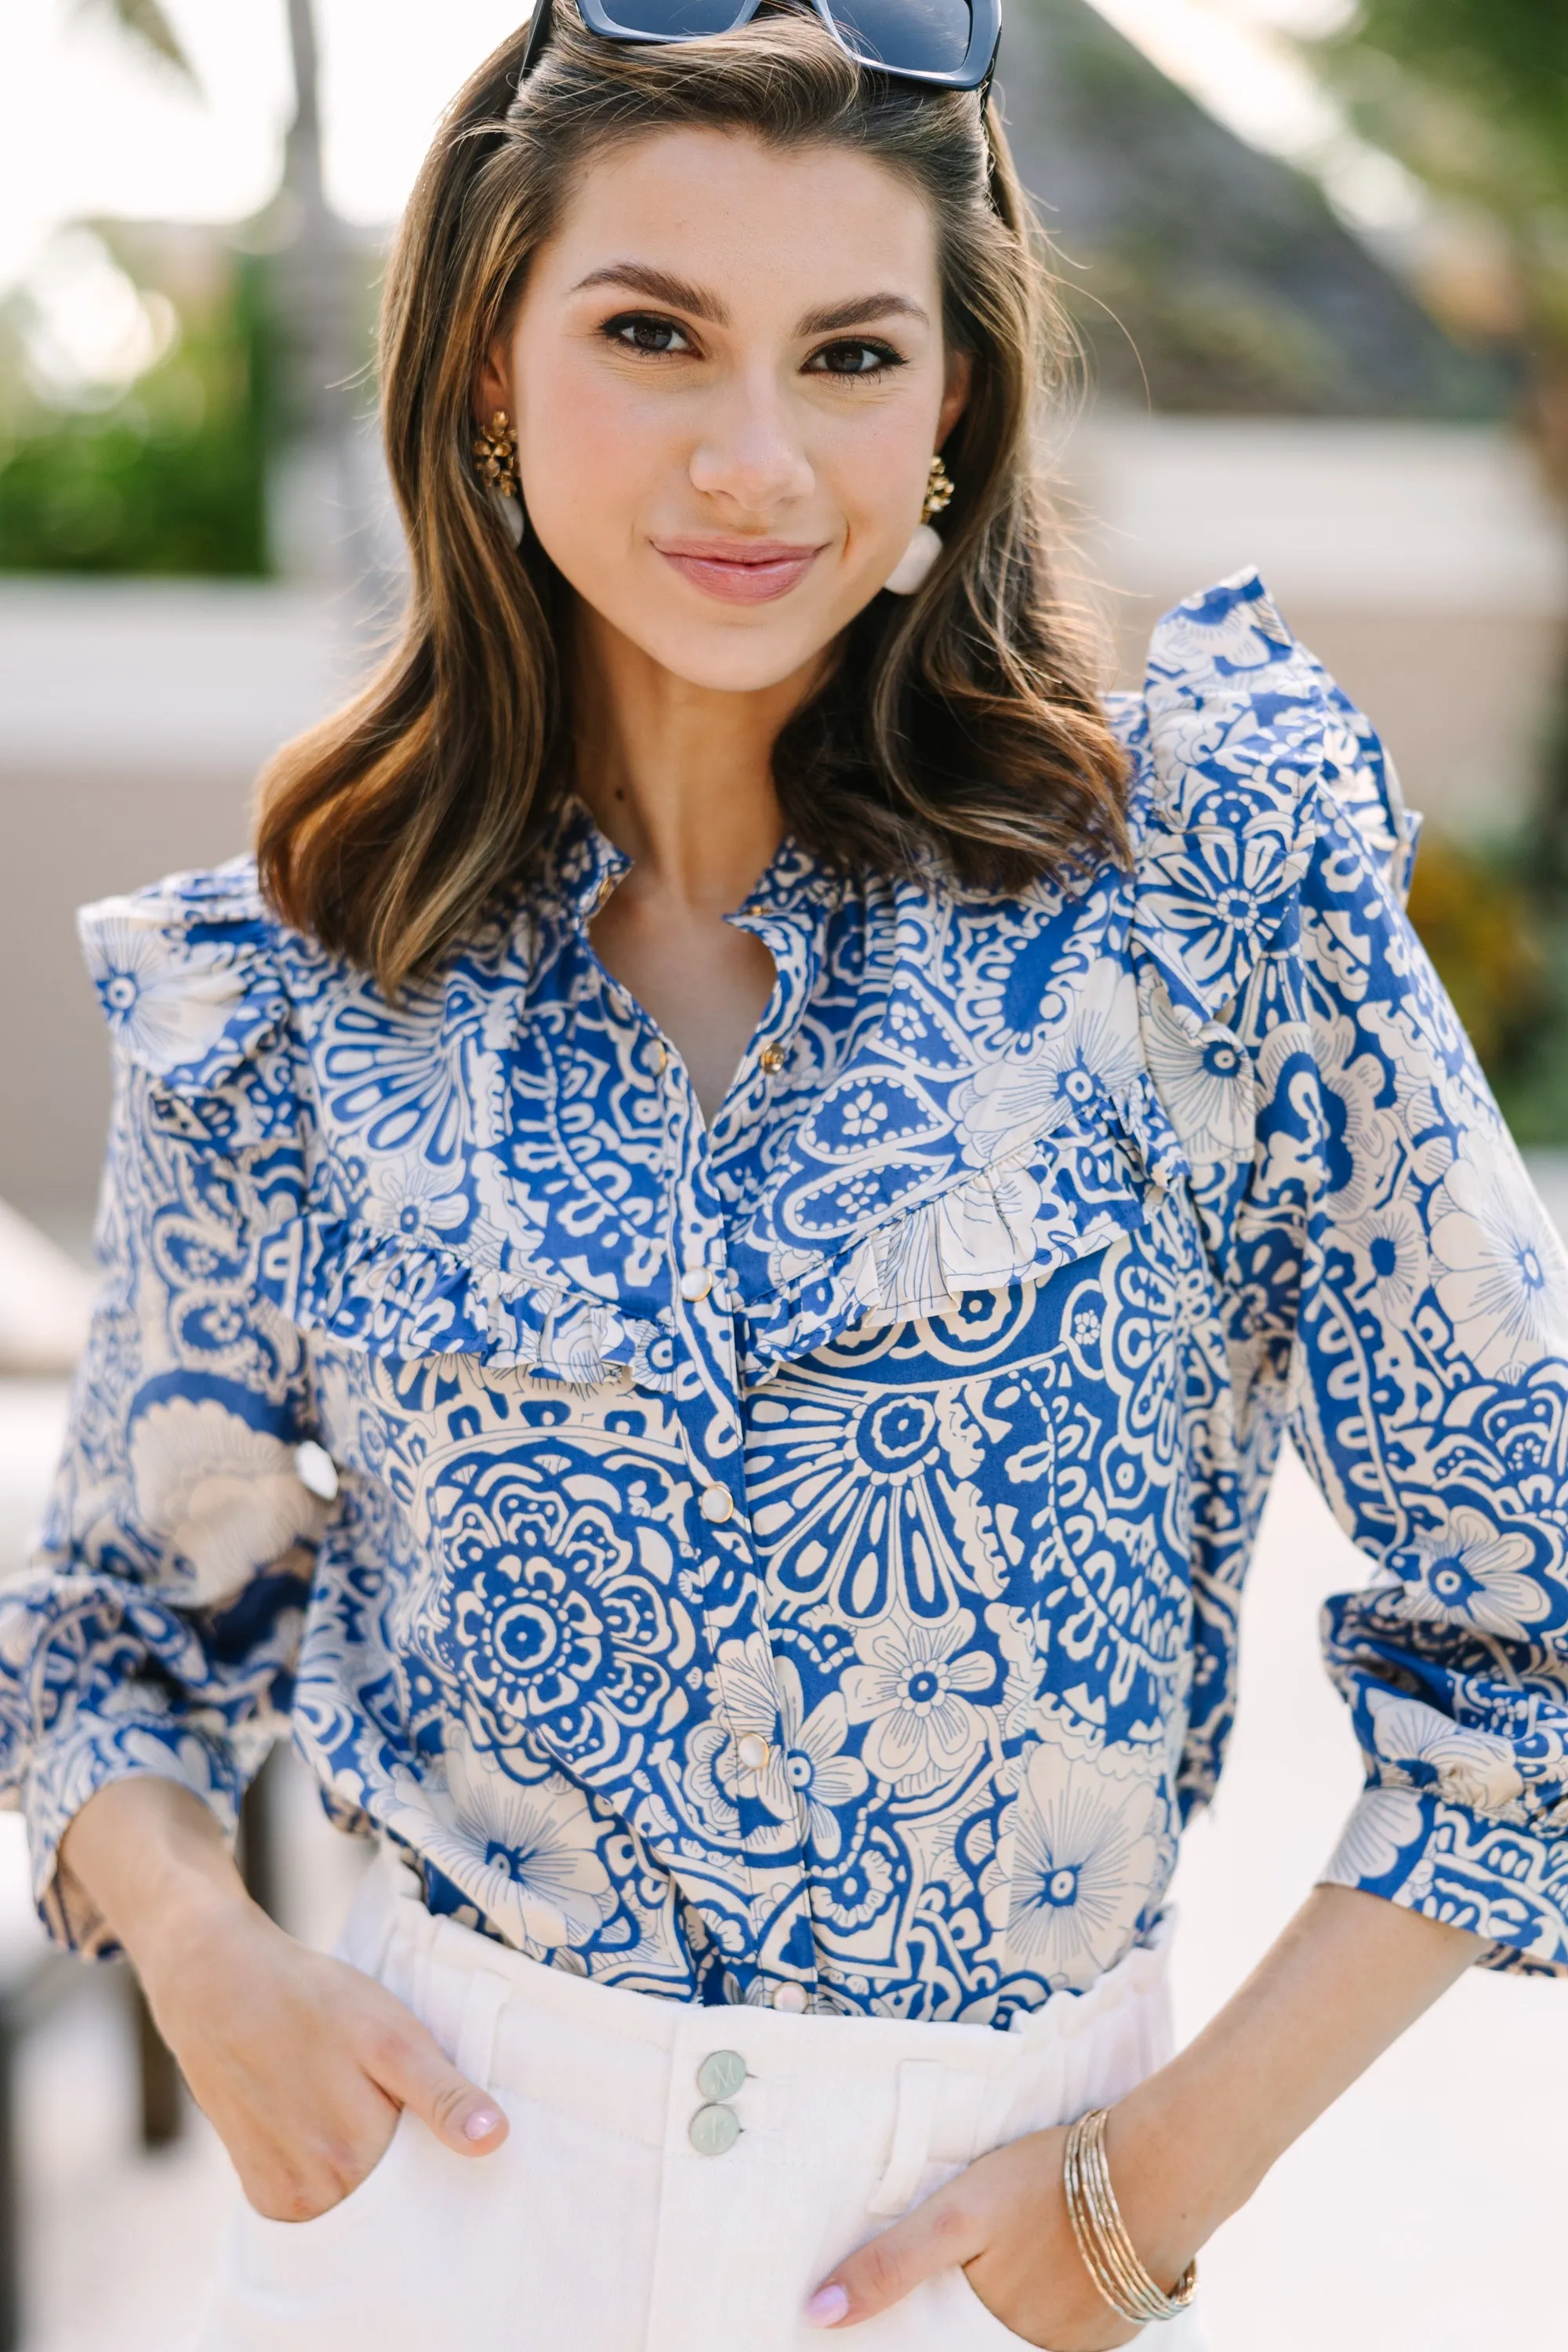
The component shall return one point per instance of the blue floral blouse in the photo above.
(801, 1556)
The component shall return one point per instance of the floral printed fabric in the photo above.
(807, 1551)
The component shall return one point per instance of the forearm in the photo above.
(1346, 1979)
(153, 1860)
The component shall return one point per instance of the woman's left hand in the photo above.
(1005, 2220)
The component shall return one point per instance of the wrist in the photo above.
(1176, 2168)
(152, 1861)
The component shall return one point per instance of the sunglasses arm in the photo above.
(538, 34)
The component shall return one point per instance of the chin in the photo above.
(721, 663)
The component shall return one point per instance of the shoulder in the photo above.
(193, 976)
(1244, 752)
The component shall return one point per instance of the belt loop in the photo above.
(920, 2085)
(483, 2005)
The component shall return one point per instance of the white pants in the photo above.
(600, 2226)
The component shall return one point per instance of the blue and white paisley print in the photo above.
(808, 1551)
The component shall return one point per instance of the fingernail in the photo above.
(827, 2307)
(480, 2124)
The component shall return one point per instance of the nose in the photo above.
(748, 454)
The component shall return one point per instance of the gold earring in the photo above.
(939, 490)
(497, 453)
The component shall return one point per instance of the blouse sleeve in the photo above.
(1397, 1297)
(156, 1632)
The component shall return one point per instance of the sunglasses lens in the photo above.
(674, 20)
(906, 35)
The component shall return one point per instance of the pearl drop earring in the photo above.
(914, 566)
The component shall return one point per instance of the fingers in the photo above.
(412, 2068)
(937, 2236)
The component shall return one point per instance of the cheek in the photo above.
(590, 455)
(877, 478)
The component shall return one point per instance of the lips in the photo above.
(740, 571)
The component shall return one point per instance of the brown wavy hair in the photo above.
(960, 725)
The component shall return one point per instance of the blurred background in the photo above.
(1316, 254)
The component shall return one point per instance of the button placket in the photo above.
(707, 1403)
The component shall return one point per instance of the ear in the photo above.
(959, 375)
(492, 385)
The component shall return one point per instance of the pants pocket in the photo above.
(295, 2284)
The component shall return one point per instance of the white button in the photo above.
(790, 1997)
(314, 1468)
(717, 1504)
(753, 1750)
(696, 1283)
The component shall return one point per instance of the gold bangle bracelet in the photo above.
(1108, 2254)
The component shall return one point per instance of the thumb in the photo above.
(415, 2071)
(937, 2236)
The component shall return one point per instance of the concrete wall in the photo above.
(1422, 565)
(133, 717)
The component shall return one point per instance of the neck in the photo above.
(679, 776)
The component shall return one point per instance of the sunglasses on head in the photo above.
(942, 44)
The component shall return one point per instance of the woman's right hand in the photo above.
(300, 2063)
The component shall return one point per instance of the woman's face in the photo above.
(728, 380)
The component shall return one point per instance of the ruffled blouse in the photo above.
(799, 1558)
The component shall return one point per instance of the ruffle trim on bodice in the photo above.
(399, 1295)
(1060, 1197)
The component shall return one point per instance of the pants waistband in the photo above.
(629, 2061)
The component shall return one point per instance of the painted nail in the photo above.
(480, 2124)
(827, 2307)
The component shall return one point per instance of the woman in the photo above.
(798, 1168)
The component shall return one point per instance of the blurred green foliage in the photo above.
(1481, 920)
(170, 476)
(1472, 95)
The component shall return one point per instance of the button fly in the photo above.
(713, 2130)
(721, 2075)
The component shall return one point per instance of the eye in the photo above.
(854, 357)
(645, 332)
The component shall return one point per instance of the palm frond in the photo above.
(146, 22)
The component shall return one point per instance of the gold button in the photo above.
(660, 1057)
(753, 1750)
(717, 1504)
(772, 1058)
(696, 1283)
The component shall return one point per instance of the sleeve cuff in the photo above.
(64, 1772)
(1505, 1883)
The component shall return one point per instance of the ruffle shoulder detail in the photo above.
(1243, 734)
(189, 975)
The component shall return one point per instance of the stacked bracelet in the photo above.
(1108, 2254)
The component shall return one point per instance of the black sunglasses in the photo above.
(944, 44)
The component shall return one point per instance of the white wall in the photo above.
(1423, 565)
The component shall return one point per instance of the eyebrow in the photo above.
(678, 294)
